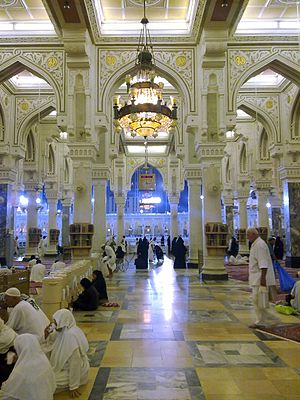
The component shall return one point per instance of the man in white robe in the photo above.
(23, 317)
(261, 277)
(57, 266)
(37, 273)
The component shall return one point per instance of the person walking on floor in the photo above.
(261, 276)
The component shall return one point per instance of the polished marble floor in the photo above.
(176, 338)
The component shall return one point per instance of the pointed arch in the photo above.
(264, 146)
(228, 171)
(243, 160)
(51, 161)
(139, 164)
(30, 152)
(295, 119)
(2, 125)
(38, 113)
(276, 62)
(263, 118)
(66, 171)
(18, 64)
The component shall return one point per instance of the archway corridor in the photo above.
(173, 338)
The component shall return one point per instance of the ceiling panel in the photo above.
(258, 11)
(28, 12)
(159, 11)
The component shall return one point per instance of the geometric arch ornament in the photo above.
(29, 108)
(245, 63)
(177, 65)
(49, 65)
(265, 109)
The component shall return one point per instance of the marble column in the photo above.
(263, 215)
(66, 212)
(32, 221)
(291, 196)
(228, 204)
(213, 266)
(174, 217)
(52, 207)
(6, 225)
(82, 193)
(195, 224)
(276, 221)
(243, 224)
(99, 214)
(120, 202)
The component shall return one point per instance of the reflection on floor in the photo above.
(175, 338)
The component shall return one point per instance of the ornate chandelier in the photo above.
(145, 113)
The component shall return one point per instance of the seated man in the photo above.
(23, 317)
(38, 271)
(57, 266)
(293, 299)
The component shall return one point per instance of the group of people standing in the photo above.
(38, 358)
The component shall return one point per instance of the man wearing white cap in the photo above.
(22, 317)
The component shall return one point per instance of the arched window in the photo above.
(30, 148)
(1, 126)
(51, 161)
(228, 172)
(243, 160)
(66, 172)
(264, 146)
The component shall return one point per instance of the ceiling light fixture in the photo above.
(224, 3)
(145, 114)
(66, 5)
(7, 3)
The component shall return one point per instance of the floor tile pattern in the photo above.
(175, 337)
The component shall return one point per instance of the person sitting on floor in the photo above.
(67, 347)
(23, 317)
(32, 377)
(37, 273)
(7, 337)
(293, 299)
(57, 266)
(88, 300)
(238, 260)
(100, 285)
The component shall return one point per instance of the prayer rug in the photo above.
(286, 331)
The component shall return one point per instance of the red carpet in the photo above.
(287, 331)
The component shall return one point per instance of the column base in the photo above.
(30, 251)
(192, 265)
(214, 269)
(292, 262)
(214, 277)
(51, 251)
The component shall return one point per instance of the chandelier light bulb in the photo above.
(268, 205)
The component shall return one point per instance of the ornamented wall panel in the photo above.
(49, 64)
(178, 64)
(243, 62)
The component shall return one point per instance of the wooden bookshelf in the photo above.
(34, 236)
(241, 236)
(54, 235)
(216, 238)
(81, 239)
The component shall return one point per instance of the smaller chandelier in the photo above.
(145, 113)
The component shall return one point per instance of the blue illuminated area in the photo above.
(183, 205)
(147, 201)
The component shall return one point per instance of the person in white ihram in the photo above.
(32, 377)
(22, 317)
(37, 273)
(261, 276)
